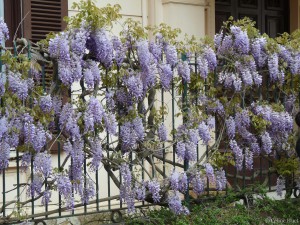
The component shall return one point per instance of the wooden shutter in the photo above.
(43, 17)
(12, 17)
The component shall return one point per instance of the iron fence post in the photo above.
(184, 117)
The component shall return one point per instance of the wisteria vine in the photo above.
(235, 90)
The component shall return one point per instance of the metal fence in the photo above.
(16, 205)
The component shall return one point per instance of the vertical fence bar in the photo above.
(252, 171)
(58, 148)
(3, 192)
(196, 71)
(44, 90)
(59, 169)
(31, 163)
(186, 161)
(18, 180)
(269, 157)
(108, 177)
(3, 171)
(260, 157)
(184, 117)
(206, 147)
(107, 145)
(173, 122)
(97, 191)
(163, 117)
(17, 152)
(85, 177)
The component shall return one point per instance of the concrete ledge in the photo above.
(186, 2)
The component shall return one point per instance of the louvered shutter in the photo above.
(43, 17)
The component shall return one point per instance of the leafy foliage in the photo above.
(243, 84)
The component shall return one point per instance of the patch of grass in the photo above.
(222, 211)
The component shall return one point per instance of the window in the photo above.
(33, 19)
(271, 16)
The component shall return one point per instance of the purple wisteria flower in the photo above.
(3, 127)
(211, 58)
(211, 122)
(156, 50)
(79, 37)
(230, 127)
(204, 132)
(202, 66)
(26, 160)
(100, 45)
(131, 132)
(186, 150)
(46, 103)
(266, 143)
(42, 164)
(77, 155)
(241, 40)
(289, 103)
(126, 192)
(175, 205)
(238, 153)
(255, 148)
(154, 189)
(249, 159)
(4, 33)
(280, 186)
(143, 54)
(258, 51)
(2, 84)
(59, 48)
(4, 155)
(171, 54)
(46, 197)
(226, 46)
(218, 39)
(184, 71)
(193, 136)
(209, 171)
(162, 132)
(174, 179)
(242, 119)
(64, 187)
(88, 191)
(166, 76)
(36, 185)
(119, 50)
(135, 86)
(183, 182)
(111, 124)
(273, 67)
(198, 183)
(295, 65)
(220, 180)
(93, 115)
(140, 191)
(17, 85)
(96, 149)
(57, 104)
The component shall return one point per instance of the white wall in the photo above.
(187, 15)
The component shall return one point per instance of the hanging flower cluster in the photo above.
(230, 93)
